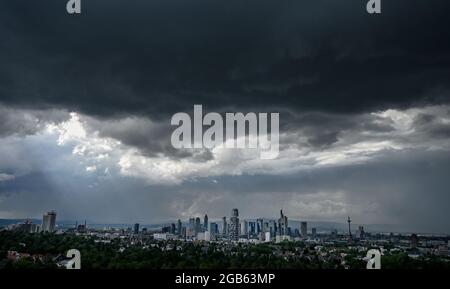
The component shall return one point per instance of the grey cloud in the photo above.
(22, 122)
(433, 126)
(6, 177)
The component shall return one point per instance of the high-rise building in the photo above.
(314, 232)
(136, 229)
(282, 224)
(252, 228)
(225, 227)
(259, 226)
(267, 237)
(214, 230)
(25, 227)
(234, 225)
(304, 229)
(190, 232)
(179, 225)
(48, 222)
(198, 226)
(205, 223)
(269, 227)
(244, 227)
(360, 232)
(173, 228)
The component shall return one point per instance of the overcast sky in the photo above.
(364, 103)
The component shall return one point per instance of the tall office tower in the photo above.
(259, 226)
(214, 230)
(251, 228)
(172, 228)
(282, 224)
(234, 225)
(304, 228)
(198, 226)
(205, 222)
(314, 232)
(225, 227)
(244, 227)
(136, 229)
(48, 222)
(279, 228)
(191, 228)
(179, 225)
(268, 228)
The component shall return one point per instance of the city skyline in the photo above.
(196, 222)
(363, 100)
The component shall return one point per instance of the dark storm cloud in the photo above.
(432, 126)
(159, 57)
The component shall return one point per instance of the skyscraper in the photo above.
(213, 229)
(179, 227)
(244, 227)
(136, 229)
(48, 222)
(304, 229)
(198, 226)
(252, 228)
(234, 225)
(259, 226)
(191, 228)
(205, 223)
(282, 224)
(225, 227)
(313, 232)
